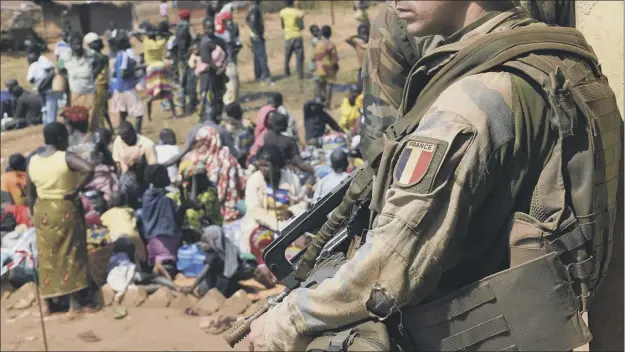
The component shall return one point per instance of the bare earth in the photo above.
(167, 329)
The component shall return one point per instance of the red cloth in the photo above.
(20, 213)
(261, 128)
(184, 14)
(220, 21)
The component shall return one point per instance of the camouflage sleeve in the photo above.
(438, 176)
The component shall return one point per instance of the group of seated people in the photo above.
(155, 198)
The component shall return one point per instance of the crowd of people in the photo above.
(226, 192)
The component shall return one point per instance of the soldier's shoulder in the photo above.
(479, 97)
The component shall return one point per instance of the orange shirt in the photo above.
(14, 182)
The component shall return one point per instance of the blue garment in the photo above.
(117, 259)
(124, 84)
(158, 214)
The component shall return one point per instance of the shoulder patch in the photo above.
(419, 162)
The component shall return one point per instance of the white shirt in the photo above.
(37, 71)
(328, 183)
(165, 152)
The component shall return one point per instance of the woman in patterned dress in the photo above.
(58, 219)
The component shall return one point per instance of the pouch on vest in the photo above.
(500, 313)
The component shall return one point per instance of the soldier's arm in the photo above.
(438, 175)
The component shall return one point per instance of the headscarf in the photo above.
(261, 128)
(222, 169)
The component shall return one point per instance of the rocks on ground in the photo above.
(211, 302)
(22, 298)
(160, 299)
(236, 304)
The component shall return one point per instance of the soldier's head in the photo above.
(442, 17)
(326, 32)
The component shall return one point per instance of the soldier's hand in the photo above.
(257, 335)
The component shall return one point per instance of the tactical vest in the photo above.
(560, 251)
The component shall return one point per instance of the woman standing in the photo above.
(327, 62)
(58, 218)
(158, 80)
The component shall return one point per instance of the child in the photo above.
(191, 100)
(121, 222)
(161, 219)
(166, 150)
(315, 31)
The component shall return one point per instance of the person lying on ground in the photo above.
(222, 266)
(287, 146)
(316, 119)
(124, 255)
(27, 106)
(121, 222)
(339, 163)
(236, 133)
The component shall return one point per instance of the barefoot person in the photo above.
(53, 190)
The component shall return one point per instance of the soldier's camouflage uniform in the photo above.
(444, 223)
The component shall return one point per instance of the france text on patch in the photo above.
(414, 162)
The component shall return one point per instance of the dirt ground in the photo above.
(252, 95)
(144, 329)
(168, 329)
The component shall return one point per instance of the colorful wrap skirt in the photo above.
(61, 246)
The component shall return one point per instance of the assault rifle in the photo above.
(331, 210)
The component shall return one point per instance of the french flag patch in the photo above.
(414, 163)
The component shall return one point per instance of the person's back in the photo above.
(291, 17)
(158, 213)
(339, 163)
(15, 179)
(28, 107)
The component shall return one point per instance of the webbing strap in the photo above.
(338, 340)
(583, 269)
(571, 240)
(474, 335)
(471, 300)
(511, 348)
